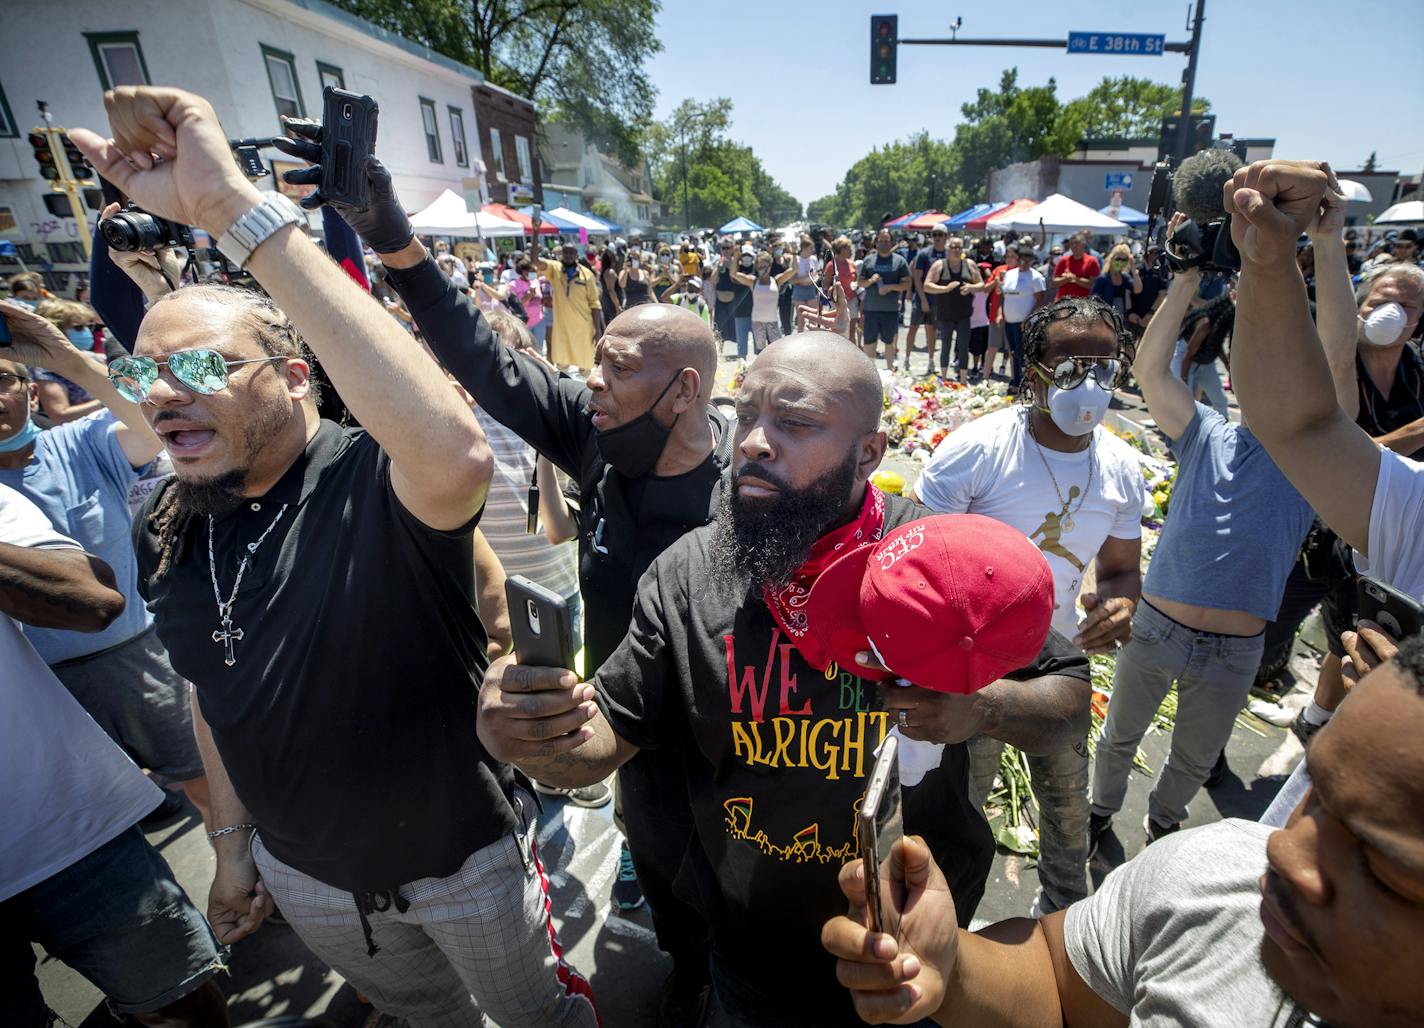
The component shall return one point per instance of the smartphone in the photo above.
(348, 137)
(880, 825)
(540, 624)
(1397, 613)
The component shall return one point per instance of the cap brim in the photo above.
(833, 612)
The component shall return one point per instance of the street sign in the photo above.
(1117, 180)
(1129, 43)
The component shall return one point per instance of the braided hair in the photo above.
(1083, 310)
(278, 337)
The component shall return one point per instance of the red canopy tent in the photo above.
(981, 222)
(927, 221)
(499, 210)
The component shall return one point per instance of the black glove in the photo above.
(382, 224)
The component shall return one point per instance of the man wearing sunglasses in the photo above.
(315, 585)
(1047, 468)
(80, 474)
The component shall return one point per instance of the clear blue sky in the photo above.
(798, 72)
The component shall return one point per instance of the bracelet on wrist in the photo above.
(230, 829)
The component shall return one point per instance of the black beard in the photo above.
(215, 496)
(763, 543)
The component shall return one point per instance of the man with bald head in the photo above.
(647, 454)
(776, 750)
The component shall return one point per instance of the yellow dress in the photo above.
(575, 303)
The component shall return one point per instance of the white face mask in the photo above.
(1079, 410)
(1385, 324)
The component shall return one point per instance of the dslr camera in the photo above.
(1195, 188)
(133, 229)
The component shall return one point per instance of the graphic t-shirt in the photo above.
(892, 269)
(1019, 289)
(990, 467)
(776, 756)
(1085, 266)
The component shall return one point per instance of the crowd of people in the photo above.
(253, 546)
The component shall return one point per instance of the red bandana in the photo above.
(788, 604)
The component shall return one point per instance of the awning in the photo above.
(1126, 215)
(928, 220)
(1058, 214)
(448, 216)
(500, 210)
(902, 220)
(560, 224)
(971, 212)
(980, 221)
(740, 225)
(578, 220)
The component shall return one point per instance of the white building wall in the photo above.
(213, 47)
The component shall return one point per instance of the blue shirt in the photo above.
(80, 478)
(1234, 526)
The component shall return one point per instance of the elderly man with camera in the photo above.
(315, 585)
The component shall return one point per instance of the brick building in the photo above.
(507, 125)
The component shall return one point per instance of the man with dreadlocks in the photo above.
(1047, 468)
(1216, 579)
(315, 585)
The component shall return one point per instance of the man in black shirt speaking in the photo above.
(315, 585)
(776, 751)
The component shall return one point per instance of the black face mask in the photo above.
(633, 449)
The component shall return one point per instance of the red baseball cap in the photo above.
(950, 602)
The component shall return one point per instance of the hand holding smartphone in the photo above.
(880, 825)
(1399, 614)
(540, 624)
(348, 137)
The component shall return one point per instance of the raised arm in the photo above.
(1336, 313)
(440, 462)
(741, 278)
(1278, 368)
(1169, 401)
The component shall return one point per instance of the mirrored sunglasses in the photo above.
(203, 371)
(1071, 372)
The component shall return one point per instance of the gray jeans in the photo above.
(1206, 379)
(1213, 675)
(1060, 781)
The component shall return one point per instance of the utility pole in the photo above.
(49, 144)
(686, 217)
(1189, 79)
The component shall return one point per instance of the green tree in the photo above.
(1125, 108)
(581, 60)
(825, 211)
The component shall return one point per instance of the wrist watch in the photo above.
(258, 225)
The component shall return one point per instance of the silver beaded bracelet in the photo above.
(229, 830)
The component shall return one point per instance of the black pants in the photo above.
(954, 333)
(657, 819)
(783, 309)
(1299, 599)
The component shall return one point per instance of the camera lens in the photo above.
(346, 112)
(129, 231)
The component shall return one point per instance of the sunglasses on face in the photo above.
(203, 371)
(1071, 372)
(9, 381)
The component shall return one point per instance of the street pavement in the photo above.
(272, 974)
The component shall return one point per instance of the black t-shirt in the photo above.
(777, 755)
(1152, 285)
(347, 723)
(1380, 415)
(619, 534)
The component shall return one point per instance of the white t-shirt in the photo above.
(68, 788)
(1396, 542)
(1019, 290)
(992, 467)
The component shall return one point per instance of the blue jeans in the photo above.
(743, 329)
(118, 918)
(1013, 334)
(539, 331)
(1213, 675)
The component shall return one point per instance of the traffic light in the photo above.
(79, 168)
(44, 156)
(1201, 131)
(884, 42)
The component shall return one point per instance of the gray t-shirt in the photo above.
(892, 270)
(1173, 936)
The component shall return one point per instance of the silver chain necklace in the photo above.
(227, 635)
(1065, 523)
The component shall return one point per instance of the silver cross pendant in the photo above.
(227, 636)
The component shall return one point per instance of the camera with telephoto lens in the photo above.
(1203, 240)
(133, 229)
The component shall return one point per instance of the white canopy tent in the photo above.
(1353, 190)
(582, 221)
(1408, 211)
(448, 216)
(1057, 215)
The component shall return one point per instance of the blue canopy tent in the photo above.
(979, 210)
(968, 212)
(741, 225)
(1126, 215)
(903, 220)
(562, 224)
(612, 228)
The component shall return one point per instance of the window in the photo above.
(432, 130)
(282, 77)
(7, 120)
(118, 58)
(457, 137)
(521, 150)
(330, 75)
(497, 153)
(7, 218)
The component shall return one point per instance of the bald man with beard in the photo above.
(646, 453)
(712, 669)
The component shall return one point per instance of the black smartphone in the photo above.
(1397, 613)
(539, 621)
(348, 137)
(880, 825)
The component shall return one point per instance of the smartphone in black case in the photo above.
(540, 624)
(1399, 614)
(348, 137)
